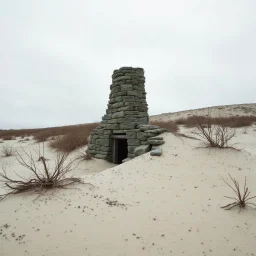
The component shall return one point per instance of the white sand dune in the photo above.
(168, 205)
(217, 111)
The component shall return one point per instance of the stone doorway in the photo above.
(120, 148)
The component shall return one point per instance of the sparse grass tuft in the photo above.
(7, 151)
(241, 200)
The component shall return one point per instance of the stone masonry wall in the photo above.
(127, 111)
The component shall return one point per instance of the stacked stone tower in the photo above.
(127, 111)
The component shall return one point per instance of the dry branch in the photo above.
(215, 135)
(42, 178)
(241, 200)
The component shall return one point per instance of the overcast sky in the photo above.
(57, 56)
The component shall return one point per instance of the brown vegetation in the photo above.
(75, 138)
(232, 122)
(42, 134)
(168, 125)
(41, 178)
(240, 200)
(7, 137)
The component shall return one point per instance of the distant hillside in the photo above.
(215, 111)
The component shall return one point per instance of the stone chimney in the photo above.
(118, 134)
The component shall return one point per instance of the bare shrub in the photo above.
(168, 125)
(215, 135)
(42, 178)
(7, 150)
(85, 155)
(241, 200)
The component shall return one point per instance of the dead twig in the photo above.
(42, 178)
(241, 200)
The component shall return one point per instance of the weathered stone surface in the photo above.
(117, 105)
(134, 93)
(113, 126)
(142, 114)
(126, 87)
(156, 152)
(131, 135)
(132, 104)
(156, 131)
(127, 126)
(117, 94)
(131, 149)
(116, 99)
(132, 113)
(156, 138)
(142, 136)
(99, 131)
(141, 150)
(113, 121)
(121, 78)
(155, 142)
(104, 122)
(118, 114)
(107, 132)
(104, 148)
(118, 131)
(133, 142)
(142, 120)
(118, 74)
(125, 108)
(128, 98)
(116, 89)
(106, 117)
(104, 142)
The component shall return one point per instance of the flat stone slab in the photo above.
(155, 142)
(156, 138)
(156, 152)
(146, 127)
(141, 150)
(156, 131)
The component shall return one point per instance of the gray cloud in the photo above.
(57, 57)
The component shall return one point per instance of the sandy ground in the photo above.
(168, 205)
(218, 111)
